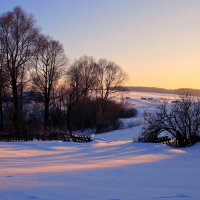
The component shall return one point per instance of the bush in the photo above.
(83, 115)
(127, 112)
(86, 115)
(181, 120)
(110, 118)
(105, 125)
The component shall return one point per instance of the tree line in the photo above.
(72, 96)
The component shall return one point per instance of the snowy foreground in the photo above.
(111, 167)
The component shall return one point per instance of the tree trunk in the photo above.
(46, 113)
(16, 120)
(69, 110)
(1, 111)
(180, 141)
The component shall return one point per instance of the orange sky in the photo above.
(156, 42)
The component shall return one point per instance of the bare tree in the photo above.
(180, 119)
(48, 67)
(82, 76)
(2, 86)
(111, 76)
(82, 80)
(87, 80)
(18, 36)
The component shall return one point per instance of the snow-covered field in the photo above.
(112, 167)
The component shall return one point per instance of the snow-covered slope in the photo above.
(99, 170)
(112, 167)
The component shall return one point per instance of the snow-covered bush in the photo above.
(180, 120)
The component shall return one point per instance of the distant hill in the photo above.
(195, 92)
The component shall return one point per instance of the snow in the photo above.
(112, 167)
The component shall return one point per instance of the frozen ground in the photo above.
(111, 167)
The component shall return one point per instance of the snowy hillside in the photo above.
(112, 167)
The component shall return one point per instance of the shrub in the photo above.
(181, 120)
(86, 115)
(127, 112)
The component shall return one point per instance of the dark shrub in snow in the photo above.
(86, 115)
(180, 120)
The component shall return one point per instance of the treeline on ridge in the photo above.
(179, 91)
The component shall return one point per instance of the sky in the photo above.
(156, 42)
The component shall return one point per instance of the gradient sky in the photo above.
(157, 42)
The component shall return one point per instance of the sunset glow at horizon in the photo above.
(156, 42)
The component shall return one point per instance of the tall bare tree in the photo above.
(111, 76)
(2, 86)
(18, 36)
(82, 80)
(82, 76)
(87, 78)
(48, 67)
